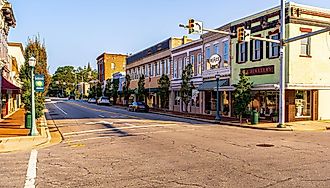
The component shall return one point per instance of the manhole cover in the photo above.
(265, 145)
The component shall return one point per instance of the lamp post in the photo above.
(217, 117)
(33, 131)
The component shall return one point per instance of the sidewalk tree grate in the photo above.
(265, 145)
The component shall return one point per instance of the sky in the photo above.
(77, 31)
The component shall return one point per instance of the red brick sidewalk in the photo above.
(14, 125)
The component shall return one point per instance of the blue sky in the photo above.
(77, 31)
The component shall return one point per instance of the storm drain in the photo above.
(265, 145)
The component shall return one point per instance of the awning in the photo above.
(7, 86)
(212, 85)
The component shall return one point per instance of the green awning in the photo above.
(212, 85)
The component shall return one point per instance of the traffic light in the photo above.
(191, 26)
(243, 35)
(240, 34)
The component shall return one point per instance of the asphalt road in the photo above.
(110, 147)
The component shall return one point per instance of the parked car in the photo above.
(138, 107)
(91, 100)
(103, 101)
(72, 97)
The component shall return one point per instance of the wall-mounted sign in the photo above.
(39, 82)
(258, 70)
(215, 60)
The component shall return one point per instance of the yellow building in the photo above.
(108, 64)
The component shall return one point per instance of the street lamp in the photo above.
(217, 117)
(33, 130)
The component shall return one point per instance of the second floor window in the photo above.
(216, 49)
(199, 64)
(175, 71)
(242, 52)
(207, 52)
(274, 50)
(226, 53)
(192, 61)
(305, 49)
(257, 49)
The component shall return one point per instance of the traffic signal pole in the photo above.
(281, 114)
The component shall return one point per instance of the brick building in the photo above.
(108, 64)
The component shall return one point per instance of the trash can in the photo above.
(28, 120)
(254, 117)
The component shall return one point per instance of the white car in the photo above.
(91, 100)
(103, 101)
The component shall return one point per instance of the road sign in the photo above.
(39, 82)
(215, 60)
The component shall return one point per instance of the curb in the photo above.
(21, 143)
(227, 123)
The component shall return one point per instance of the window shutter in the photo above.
(267, 48)
(237, 52)
(251, 50)
(261, 49)
(246, 51)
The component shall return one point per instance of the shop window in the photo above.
(303, 103)
(225, 100)
(176, 98)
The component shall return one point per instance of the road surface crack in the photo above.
(277, 182)
(186, 184)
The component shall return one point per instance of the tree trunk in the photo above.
(240, 118)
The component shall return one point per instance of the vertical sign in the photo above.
(39, 82)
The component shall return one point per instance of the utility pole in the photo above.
(281, 123)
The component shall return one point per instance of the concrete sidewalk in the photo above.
(14, 136)
(292, 126)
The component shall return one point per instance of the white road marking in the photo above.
(99, 122)
(60, 109)
(116, 128)
(32, 170)
(101, 116)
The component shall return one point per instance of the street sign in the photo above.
(215, 59)
(39, 83)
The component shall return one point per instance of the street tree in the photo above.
(38, 50)
(186, 85)
(141, 89)
(242, 95)
(164, 88)
(126, 91)
(115, 87)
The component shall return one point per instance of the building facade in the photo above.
(190, 53)
(307, 82)
(108, 64)
(152, 62)
(8, 89)
(216, 44)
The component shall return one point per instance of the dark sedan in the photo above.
(138, 107)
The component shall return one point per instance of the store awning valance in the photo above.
(7, 86)
(212, 85)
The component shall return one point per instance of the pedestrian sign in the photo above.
(39, 82)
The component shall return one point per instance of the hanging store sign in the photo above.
(215, 60)
(258, 70)
(39, 82)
